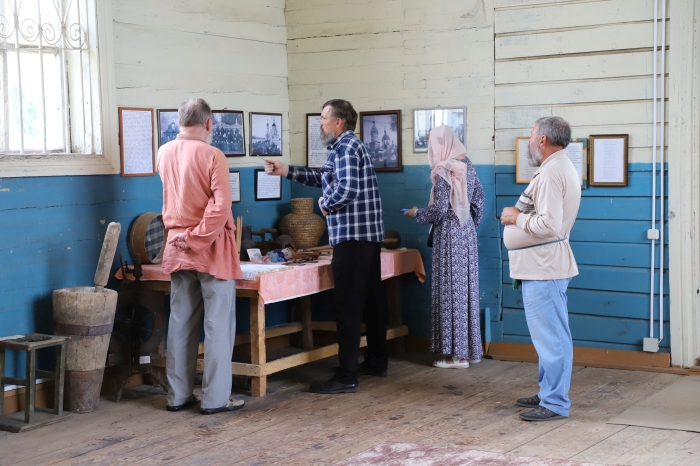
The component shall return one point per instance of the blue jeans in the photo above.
(548, 321)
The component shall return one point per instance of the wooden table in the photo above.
(291, 283)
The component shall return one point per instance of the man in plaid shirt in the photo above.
(353, 211)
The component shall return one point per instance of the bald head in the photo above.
(194, 112)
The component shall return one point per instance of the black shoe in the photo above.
(365, 369)
(531, 402)
(191, 401)
(540, 414)
(232, 405)
(333, 386)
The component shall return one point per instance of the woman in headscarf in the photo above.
(455, 210)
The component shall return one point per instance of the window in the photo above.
(54, 88)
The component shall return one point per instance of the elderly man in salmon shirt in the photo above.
(202, 259)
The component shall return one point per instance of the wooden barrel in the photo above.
(148, 236)
(87, 317)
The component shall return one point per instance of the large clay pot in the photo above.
(303, 224)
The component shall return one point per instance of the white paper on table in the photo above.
(137, 137)
(250, 271)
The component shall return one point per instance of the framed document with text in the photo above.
(316, 151)
(267, 187)
(608, 159)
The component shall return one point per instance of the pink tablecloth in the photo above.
(296, 281)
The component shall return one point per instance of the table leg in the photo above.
(307, 336)
(393, 294)
(30, 388)
(258, 354)
(2, 383)
(59, 379)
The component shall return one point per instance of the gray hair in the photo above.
(194, 112)
(556, 129)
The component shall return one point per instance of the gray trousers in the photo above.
(193, 294)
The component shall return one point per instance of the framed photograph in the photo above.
(608, 159)
(265, 134)
(381, 133)
(425, 119)
(267, 187)
(316, 151)
(234, 180)
(228, 133)
(168, 126)
(136, 149)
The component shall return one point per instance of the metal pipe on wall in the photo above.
(653, 176)
(662, 171)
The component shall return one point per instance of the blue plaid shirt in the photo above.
(350, 191)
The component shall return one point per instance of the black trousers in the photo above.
(359, 293)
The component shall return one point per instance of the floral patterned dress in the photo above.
(454, 324)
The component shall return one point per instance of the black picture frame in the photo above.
(259, 185)
(385, 150)
(265, 134)
(168, 125)
(234, 177)
(228, 132)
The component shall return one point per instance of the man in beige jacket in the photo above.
(537, 237)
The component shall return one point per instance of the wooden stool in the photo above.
(33, 417)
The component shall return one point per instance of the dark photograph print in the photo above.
(381, 133)
(168, 127)
(266, 133)
(227, 132)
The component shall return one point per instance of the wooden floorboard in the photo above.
(471, 409)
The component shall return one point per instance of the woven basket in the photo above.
(303, 224)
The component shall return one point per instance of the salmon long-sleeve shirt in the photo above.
(197, 202)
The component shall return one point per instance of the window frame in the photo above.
(107, 163)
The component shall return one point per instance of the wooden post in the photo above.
(307, 336)
(30, 388)
(2, 382)
(59, 380)
(257, 343)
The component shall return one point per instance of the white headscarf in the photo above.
(443, 149)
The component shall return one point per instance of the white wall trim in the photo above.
(77, 164)
(684, 183)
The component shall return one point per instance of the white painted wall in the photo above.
(231, 53)
(589, 62)
(393, 54)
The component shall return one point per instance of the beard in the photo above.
(210, 137)
(534, 157)
(326, 138)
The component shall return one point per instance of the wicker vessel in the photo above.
(303, 224)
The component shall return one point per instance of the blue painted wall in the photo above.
(406, 189)
(52, 230)
(609, 299)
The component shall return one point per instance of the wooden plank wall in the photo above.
(590, 62)
(233, 54)
(402, 54)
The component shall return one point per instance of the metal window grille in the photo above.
(49, 77)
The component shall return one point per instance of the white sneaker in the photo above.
(474, 361)
(455, 364)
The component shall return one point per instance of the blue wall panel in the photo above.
(52, 230)
(412, 187)
(608, 301)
